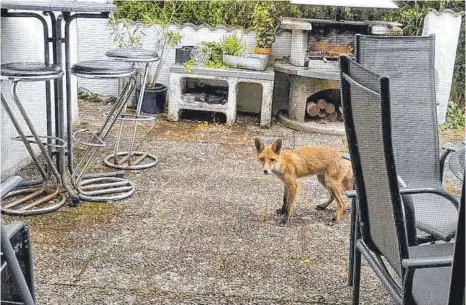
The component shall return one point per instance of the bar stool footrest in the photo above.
(131, 161)
(105, 189)
(33, 201)
(95, 137)
(60, 143)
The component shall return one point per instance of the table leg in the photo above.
(266, 108)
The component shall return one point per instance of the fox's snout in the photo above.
(267, 171)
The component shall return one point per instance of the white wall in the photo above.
(20, 41)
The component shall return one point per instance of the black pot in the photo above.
(183, 54)
(154, 98)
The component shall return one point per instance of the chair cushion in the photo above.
(102, 67)
(29, 69)
(133, 54)
(435, 214)
(431, 286)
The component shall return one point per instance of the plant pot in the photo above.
(263, 51)
(154, 98)
(251, 62)
(183, 54)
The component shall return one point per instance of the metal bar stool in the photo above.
(101, 186)
(43, 195)
(131, 159)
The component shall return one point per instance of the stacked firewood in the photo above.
(323, 110)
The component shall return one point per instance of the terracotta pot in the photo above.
(264, 51)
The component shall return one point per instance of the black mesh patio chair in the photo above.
(409, 62)
(385, 209)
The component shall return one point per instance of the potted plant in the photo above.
(235, 55)
(128, 33)
(265, 26)
(155, 95)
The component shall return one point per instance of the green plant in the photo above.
(125, 32)
(265, 26)
(216, 54)
(455, 117)
(166, 39)
(215, 49)
(188, 66)
(232, 45)
(216, 65)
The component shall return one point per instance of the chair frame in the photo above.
(364, 245)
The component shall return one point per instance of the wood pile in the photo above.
(323, 110)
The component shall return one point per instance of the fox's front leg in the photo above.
(282, 210)
(292, 189)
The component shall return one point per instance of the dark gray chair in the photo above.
(385, 210)
(409, 62)
(17, 274)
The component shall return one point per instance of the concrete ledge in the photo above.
(318, 69)
(268, 74)
(334, 128)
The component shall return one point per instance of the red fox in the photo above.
(332, 171)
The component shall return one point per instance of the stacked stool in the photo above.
(43, 195)
(101, 186)
(131, 159)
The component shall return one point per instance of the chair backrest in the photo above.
(409, 63)
(366, 108)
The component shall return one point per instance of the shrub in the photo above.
(232, 45)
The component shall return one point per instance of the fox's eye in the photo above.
(273, 160)
(261, 159)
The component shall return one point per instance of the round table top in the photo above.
(457, 163)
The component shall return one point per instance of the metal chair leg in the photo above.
(12, 263)
(131, 159)
(41, 196)
(103, 187)
(356, 276)
(351, 245)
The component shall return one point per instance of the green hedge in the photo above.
(241, 14)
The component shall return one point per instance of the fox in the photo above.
(332, 171)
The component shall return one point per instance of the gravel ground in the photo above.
(200, 229)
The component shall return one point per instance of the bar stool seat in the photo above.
(102, 69)
(27, 70)
(133, 55)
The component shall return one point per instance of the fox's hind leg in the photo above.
(283, 209)
(324, 205)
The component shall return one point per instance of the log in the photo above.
(332, 116)
(312, 109)
(322, 103)
(322, 114)
(330, 108)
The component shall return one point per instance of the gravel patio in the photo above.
(200, 229)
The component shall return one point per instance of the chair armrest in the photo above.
(428, 262)
(443, 157)
(442, 193)
(351, 194)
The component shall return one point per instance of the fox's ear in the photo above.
(259, 145)
(277, 146)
